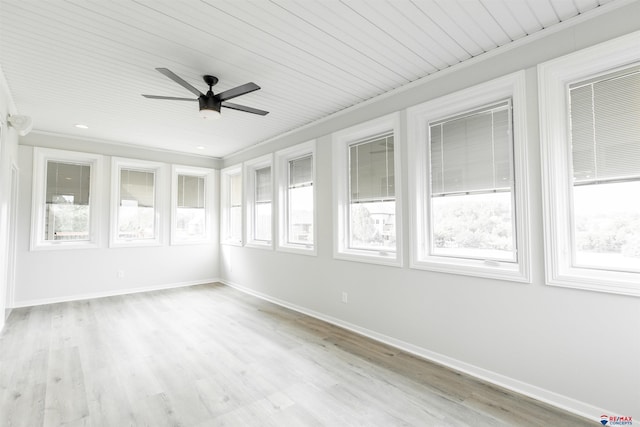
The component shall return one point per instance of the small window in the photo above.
(231, 200)
(259, 191)
(136, 203)
(468, 173)
(296, 214)
(191, 207)
(65, 199)
(591, 153)
(366, 164)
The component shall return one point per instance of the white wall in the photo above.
(576, 349)
(8, 157)
(59, 275)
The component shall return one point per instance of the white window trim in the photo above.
(418, 119)
(118, 163)
(553, 79)
(282, 159)
(209, 194)
(224, 206)
(341, 142)
(250, 168)
(40, 158)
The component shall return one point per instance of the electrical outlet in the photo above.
(345, 297)
(120, 274)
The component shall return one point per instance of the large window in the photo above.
(296, 178)
(468, 161)
(65, 199)
(591, 146)
(259, 197)
(136, 205)
(191, 205)
(366, 161)
(231, 200)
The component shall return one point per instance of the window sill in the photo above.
(477, 268)
(309, 250)
(260, 245)
(231, 242)
(613, 282)
(134, 243)
(391, 259)
(63, 246)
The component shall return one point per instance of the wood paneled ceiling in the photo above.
(87, 62)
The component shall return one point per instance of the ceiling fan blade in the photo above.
(244, 108)
(237, 91)
(172, 98)
(179, 80)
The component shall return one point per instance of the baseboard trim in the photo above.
(111, 293)
(582, 409)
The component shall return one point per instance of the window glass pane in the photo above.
(262, 206)
(190, 211)
(67, 201)
(476, 226)
(372, 195)
(136, 213)
(263, 184)
(235, 207)
(300, 202)
(472, 213)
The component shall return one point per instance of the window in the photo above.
(136, 203)
(191, 205)
(468, 161)
(591, 150)
(231, 200)
(367, 203)
(65, 199)
(296, 179)
(258, 176)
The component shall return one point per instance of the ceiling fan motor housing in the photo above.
(209, 102)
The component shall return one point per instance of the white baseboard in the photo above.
(110, 293)
(566, 403)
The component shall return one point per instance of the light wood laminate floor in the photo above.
(210, 356)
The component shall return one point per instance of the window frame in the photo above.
(119, 163)
(282, 160)
(250, 168)
(419, 117)
(342, 141)
(209, 194)
(225, 194)
(554, 78)
(41, 156)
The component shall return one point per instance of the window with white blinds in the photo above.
(300, 203)
(472, 153)
(67, 201)
(190, 208)
(262, 205)
(605, 128)
(136, 216)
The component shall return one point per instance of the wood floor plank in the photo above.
(212, 356)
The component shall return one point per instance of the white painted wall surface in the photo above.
(576, 349)
(59, 275)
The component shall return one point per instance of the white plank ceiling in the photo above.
(87, 61)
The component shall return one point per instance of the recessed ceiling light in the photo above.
(200, 147)
(81, 126)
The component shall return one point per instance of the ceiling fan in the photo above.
(210, 103)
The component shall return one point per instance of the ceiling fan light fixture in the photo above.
(209, 114)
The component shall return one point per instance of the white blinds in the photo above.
(605, 128)
(190, 191)
(235, 190)
(472, 153)
(263, 184)
(68, 183)
(371, 168)
(301, 172)
(137, 186)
